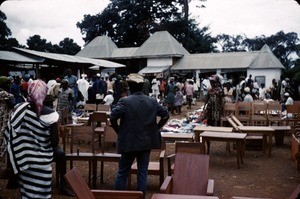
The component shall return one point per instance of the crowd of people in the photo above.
(136, 101)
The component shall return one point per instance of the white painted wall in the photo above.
(268, 73)
(159, 62)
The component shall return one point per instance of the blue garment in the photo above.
(138, 129)
(72, 80)
(15, 89)
(138, 133)
(125, 166)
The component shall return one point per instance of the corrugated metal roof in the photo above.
(15, 57)
(123, 53)
(161, 44)
(71, 58)
(253, 59)
(153, 69)
(99, 47)
(266, 59)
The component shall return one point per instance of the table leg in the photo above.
(204, 143)
(197, 136)
(102, 168)
(270, 144)
(238, 153)
(94, 177)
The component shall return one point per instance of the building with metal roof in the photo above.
(162, 54)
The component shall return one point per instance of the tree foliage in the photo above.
(192, 38)
(230, 43)
(5, 35)
(128, 22)
(282, 45)
(66, 46)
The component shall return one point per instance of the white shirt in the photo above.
(154, 84)
(289, 101)
(108, 99)
(83, 86)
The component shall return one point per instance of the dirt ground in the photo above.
(259, 176)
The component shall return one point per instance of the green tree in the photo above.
(6, 42)
(192, 38)
(128, 22)
(282, 45)
(230, 43)
(35, 42)
(186, 7)
(5, 32)
(68, 46)
(129, 29)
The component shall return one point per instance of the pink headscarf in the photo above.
(37, 91)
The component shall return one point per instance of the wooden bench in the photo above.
(295, 150)
(279, 132)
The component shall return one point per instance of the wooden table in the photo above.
(226, 137)
(264, 130)
(177, 196)
(103, 157)
(177, 137)
(200, 129)
(279, 132)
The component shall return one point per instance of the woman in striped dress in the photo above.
(31, 134)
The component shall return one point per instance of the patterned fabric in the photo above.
(37, 91)
(29, 149)
(214, 106)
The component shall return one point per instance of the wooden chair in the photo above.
(103, 107)
(183, 147)
(243, 112)
(82, 190)
(274, 113)
(89, 108)
(190, 176)
(293, 116)
(236, 120)
(259, 113)
(228, 109)
(156, 167)
(295, 150)
(64, 128)
(99, 122)
(82, 136)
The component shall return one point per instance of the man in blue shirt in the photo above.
(72, 80)
(138, 131)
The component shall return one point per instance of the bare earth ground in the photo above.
(259, 176)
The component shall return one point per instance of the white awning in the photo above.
(153, 69)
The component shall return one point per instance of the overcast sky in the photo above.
(55, 20)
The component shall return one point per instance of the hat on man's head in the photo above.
(286, 94)
(134, 77)
(171, 78)
(98, 75)
(247, 90)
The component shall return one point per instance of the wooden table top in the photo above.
(213, 128)
(176, 196)
(74, 125)
(255, 128)
(214, 134)
(177, 135)
(281, 128)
